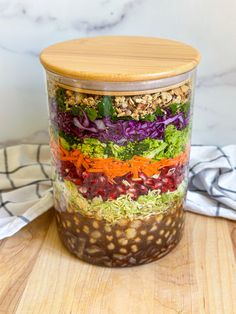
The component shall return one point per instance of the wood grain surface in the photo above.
(120, 58)
(38, 275)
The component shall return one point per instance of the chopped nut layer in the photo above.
(137, 106)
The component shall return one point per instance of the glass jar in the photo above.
(120, 142)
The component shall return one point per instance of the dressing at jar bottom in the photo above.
(125, 243)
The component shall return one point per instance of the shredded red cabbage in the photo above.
(120, 131)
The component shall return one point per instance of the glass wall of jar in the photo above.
(120, 171)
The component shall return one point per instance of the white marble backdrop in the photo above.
(27, 26)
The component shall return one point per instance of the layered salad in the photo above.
(119, 172)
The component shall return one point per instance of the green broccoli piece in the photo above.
(93, 147)
(176, 140)
(152, 148)
(119, 152)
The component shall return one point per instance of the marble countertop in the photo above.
(27, 27)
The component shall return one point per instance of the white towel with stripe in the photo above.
(212, 181)
(26, 192)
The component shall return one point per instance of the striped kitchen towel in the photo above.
(212, 181)
(26, 192)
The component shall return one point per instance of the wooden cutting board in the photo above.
(38, 275)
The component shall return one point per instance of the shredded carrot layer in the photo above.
(112, 167)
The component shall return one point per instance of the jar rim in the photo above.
(120, 88)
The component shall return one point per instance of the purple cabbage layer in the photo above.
(119, 131)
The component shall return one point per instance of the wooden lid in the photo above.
(120, 58)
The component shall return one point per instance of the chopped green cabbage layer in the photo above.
(123, 206)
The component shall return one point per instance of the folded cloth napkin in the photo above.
(212, 181)
(26, 192)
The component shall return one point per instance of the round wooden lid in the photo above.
(120, 58)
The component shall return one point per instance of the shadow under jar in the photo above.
(120, 111)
